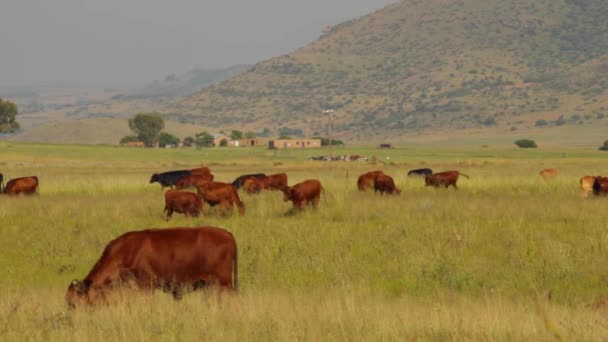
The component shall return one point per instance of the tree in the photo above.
(8, 112)
(165, 139)
(236, 135)
(250, 135)
(188, 141)
(525, 143)
(325, 141)
(605, 146)
(203, 139)
(265, 132)
(147, 127)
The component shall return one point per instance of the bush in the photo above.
(128, 139)
(525, 143)
(560, 121)
(604, 147)
(541, 123)
(165, 139)
(188, 141)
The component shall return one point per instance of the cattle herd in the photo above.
(178, 259)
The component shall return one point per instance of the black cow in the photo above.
(238, 182)
(420, 172)
(169, 178)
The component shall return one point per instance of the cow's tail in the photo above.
(37, 189)
(462, 174)
(235, 261)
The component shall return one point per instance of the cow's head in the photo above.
(78, 293)
(154, 178)
(288, 193)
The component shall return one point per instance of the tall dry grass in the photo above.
(506, 257)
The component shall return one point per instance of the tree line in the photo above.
(148, 128)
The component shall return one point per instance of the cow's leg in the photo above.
(169, 213)
(302, 204)
(315, 201)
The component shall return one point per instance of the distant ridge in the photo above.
(427, 66)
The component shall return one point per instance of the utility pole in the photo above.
(329, 124)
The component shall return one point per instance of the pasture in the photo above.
(507, 257)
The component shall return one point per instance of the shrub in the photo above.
(560, 121)
(525, 143)
(604, 147)
(541, 122)
(165, 139)
(128, 139)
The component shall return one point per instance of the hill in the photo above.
(74, 113)
(427, 66)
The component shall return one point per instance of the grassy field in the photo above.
(507, 257)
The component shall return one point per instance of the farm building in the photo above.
(251, 142)
(294, 143)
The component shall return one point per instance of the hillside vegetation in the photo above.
(428, 65)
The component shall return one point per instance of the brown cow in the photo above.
(273, 182)
(24, 185)
(384, 183)
(183, 202)
(586, 184)
(600, 186)
(366, 181)
(308, 191)
(224, 194)
(252, 186)
(193, 181)
(548, 174)
(444, 179)
(174, 260)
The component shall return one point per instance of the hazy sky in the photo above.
(118, 41)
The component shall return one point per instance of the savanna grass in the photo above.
(506, 257)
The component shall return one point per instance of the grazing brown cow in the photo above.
(600, 186)
(174, 260)
(384, 183)
(224, 194)
(444, 179)
(252, 186)
(366, 180)
(273, 182)
(549, 174)
(308, 191)
(193, 181)
(586, 184)
(24, 185)
(183, 202)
